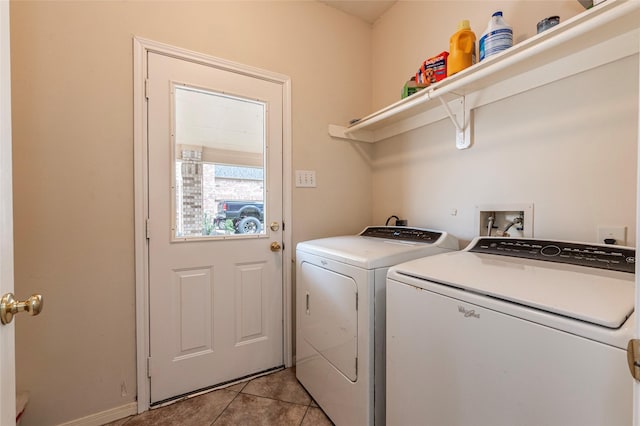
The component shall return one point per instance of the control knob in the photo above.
(550, 250)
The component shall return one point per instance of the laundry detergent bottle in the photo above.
(497, 37)
(462, 49)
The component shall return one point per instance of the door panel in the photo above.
(215, 294)
(250, 302)
(195, 289)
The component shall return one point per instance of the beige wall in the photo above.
(568, 147)
(423, 29)
(72, 89)
(573, 157)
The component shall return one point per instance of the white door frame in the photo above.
(140, 49)
(636, 334)
(7, 333)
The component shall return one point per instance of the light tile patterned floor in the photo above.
(274, 399)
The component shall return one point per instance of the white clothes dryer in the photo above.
(512, 332)
(340, 304)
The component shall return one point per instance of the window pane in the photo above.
(219, 164)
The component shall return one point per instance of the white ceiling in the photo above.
(366, 10)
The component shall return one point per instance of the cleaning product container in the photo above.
(547, 23)
(462, 49)
(497, 37)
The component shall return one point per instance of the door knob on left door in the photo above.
(275, 246)
(9, 306)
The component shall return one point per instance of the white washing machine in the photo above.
(340, 304)
(511, 332)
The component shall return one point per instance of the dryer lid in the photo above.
(597, 296)
(375, 248)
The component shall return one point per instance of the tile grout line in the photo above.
(305, 415)
(225, 408)
(276, 399)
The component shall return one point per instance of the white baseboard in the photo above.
(107, 416)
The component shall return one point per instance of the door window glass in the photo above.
(219, 176)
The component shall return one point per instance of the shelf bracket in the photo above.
(463, 131)
(342, 133)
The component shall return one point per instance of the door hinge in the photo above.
(633, 358)
(356, 301)
(283, 225)
(149, 367)
(147, 224)
(146, 88)
(356, 366)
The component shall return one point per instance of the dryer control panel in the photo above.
(593, 255)
(402, 233)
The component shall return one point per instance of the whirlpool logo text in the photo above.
(468, 313)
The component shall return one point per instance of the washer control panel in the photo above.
(402, 233)
(593, 255)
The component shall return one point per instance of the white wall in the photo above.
(72, 89)
(568, 147)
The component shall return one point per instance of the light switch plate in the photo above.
(305, 178)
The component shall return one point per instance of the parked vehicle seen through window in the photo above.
(217, 199)
(245, 217)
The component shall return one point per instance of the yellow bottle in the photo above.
(462, 49)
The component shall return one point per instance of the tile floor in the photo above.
(274, 399)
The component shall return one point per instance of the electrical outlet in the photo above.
(305, 178)
(617, 233)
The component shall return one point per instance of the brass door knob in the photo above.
(9, 306)
(275, 246)
(633, 357)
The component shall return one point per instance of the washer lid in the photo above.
(597, 296)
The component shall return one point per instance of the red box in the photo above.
(433, 69)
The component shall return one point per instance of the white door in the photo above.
(636, 383)
(7, 342)
(215, 275)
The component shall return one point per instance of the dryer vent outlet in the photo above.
(505, 220)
